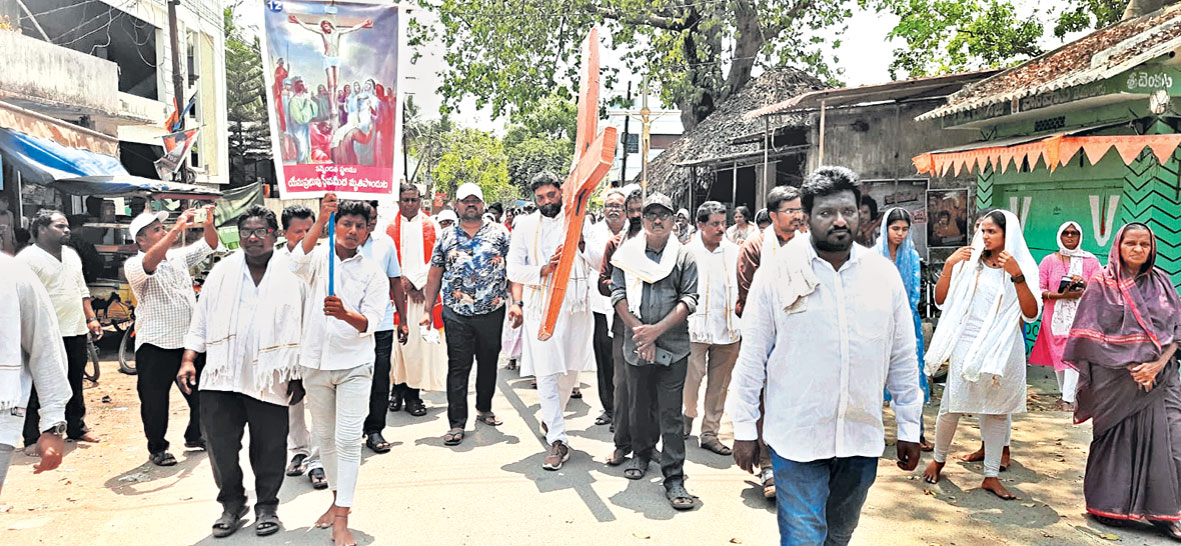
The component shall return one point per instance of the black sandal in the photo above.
(454, 437)
(603, 419)
(377, 443)
(162, 458)
(395, 402)
(636, 469)
(318, 479)
(267, 524)
(679, 497)
(416, 408)
(229, 523)
(489, 418)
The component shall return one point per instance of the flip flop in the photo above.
(603, 419)
(489, 419)
(453, 437)
(267, 524)
(229, 523)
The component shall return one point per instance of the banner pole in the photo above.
(331, 253)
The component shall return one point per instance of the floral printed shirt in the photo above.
(473, 268)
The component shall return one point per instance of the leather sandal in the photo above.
(416, 408)
(377, 443)
(267, 523)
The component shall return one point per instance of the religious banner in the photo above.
(331, 72)
(947, 218)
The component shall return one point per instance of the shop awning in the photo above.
(1055, 150)
(82, 172)
(127, 185)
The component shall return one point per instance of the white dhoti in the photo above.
(419, 363)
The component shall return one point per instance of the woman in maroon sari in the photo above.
(1123, 342)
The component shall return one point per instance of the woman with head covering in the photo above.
(984, 293)
(1062, 277)
(895, 244)
(762, 219)
(1123, 343)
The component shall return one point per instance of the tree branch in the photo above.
(642, 19)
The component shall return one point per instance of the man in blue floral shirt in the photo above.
(469, 264)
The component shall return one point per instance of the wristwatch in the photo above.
(519, 303)
(1018, 279)
(58, 429)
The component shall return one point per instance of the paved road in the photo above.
(491, 489)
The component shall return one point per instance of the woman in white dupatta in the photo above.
(984, 293)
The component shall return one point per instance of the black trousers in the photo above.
(224, 418)
(76, 407)
(623, 415)
(477, 337)
(156, 370)
(379, 393)
(603, 364)
(659, 389)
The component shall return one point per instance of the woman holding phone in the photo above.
(1062, 278)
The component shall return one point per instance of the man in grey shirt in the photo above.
(654, 290)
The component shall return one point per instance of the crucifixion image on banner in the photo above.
(332, 70)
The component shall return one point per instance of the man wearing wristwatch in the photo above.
(60, 270)
(30, 355)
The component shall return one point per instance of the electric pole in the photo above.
(626, 137)
(178, 88)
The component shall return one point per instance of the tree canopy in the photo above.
(249, 133)
(512, 54)
(470, 155)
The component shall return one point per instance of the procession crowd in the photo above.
(799, 334)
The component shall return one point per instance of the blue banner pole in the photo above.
(331, 253)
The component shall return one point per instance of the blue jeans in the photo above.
(819, 502)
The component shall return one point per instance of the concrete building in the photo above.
(105, 66)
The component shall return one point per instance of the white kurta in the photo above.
(534, 240)
(419, 363)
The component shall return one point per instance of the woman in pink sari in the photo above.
(1063, 277)
(1123, 343)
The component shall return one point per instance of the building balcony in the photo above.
(57, 81)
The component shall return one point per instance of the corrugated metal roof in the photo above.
(1100, 55)
(935, 86)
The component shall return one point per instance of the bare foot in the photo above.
(978, 455)
(88, 437)
(931, 474)
(994, 485)
(326, 520)
(341, 536)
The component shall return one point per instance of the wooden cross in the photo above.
(593, 155)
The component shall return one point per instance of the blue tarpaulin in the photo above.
(82, 172)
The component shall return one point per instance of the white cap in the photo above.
(468, 189)
(144, 220)
(446, 215)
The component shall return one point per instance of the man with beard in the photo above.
(654, 290)
(597, 238)
(713, 329)
(825, 311)
(60, 270)
(621, 414)
(534, 253)
(419, 364)
(248, 324)
(468, 264)
(786, 216)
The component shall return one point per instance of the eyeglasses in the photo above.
(657, 215)
(613, 207)
(257, 233)
(790, 210)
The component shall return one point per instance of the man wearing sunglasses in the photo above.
(654, 290)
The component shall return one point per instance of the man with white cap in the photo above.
(446, 219)
(159, 278)
(468, 263)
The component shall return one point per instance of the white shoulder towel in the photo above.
(639, 269)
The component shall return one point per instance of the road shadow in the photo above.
(646, 496)
(480, 436)
(147, 473)
(753, 497)
(696, 454)
(301, 535)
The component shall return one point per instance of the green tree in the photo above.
(512, 54)
(423, 140)
(470, 155)
(537, 154)
(249, 132)
(946, 36)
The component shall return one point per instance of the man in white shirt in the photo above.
(713, 327)
(30, 354)
(597, 238)
(827, 326)
(296, 220)
(419, 364)
(337, 349)
(60, 270)
(248, 323)
(159, 278)
(379, 249)
(534, 252)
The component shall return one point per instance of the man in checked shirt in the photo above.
(160, 280)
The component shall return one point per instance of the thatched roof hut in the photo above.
(711, 140)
